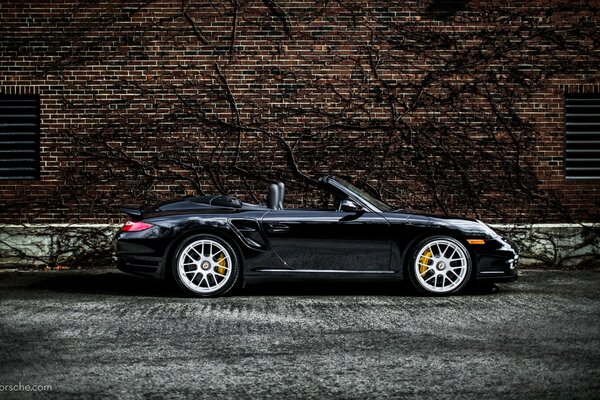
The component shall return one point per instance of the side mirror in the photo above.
(350, 206)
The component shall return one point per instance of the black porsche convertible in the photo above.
(210, 243)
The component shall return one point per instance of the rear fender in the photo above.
(224, 234)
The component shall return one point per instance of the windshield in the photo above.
(367, 197)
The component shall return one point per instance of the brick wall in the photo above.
(454, 107)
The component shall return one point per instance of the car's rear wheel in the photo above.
(440, 265)
(205, 265)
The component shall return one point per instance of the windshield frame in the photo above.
(366, 200)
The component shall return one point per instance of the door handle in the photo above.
(277, 228)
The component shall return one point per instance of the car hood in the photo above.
(467, 226)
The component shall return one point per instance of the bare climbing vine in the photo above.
(425, 105)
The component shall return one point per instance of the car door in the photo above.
(329, 240)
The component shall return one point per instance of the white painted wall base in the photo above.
(548, 245)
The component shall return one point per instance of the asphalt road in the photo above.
(106, 334)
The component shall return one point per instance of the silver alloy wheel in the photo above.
(441, 266)
(204, 266)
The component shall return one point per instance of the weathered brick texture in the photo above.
(453, 107)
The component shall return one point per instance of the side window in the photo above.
(582, 136)
(19, 137)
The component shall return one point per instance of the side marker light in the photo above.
(476, 241)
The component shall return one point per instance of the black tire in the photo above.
(440, 266)
(205, 265)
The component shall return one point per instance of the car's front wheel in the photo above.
(440, 265)
(205, 265)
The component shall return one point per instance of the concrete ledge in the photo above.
(555, 245)
(548, 245)
(56, 244)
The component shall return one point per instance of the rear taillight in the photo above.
(135, 226)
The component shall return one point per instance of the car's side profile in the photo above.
(208, 244)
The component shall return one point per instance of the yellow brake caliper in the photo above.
(424, 262)
(222, 264)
